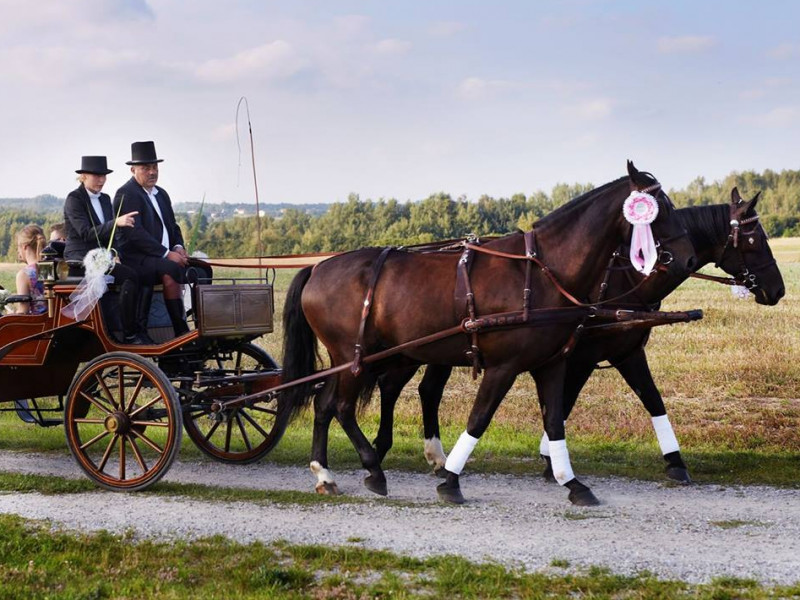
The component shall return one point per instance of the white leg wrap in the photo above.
(322, 474)
(665, 434)
(434, 453)
(460, 453)
(559, 456)
(544, 445)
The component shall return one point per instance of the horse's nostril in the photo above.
(691, 264)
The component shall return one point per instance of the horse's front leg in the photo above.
(496, 383)
(550, 387)
(390, 385)
(637, 375)
(577, 374)
(431, 390)
(349, 388)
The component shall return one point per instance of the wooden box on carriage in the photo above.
(240, 309)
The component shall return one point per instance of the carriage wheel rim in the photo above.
(115, 448)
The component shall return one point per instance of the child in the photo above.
(30, 242)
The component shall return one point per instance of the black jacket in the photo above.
(144, 238)
(82, 226)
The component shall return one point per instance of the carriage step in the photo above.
(31, 415)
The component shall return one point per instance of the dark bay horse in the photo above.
(728, 236)
(414, 297)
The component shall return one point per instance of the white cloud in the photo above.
(781, 116)
(392, 46)
(224, 133)
(59, 65)
(446, 28)
(784, 51)
(475, 87)
(594, 109)
(685, 44)
(351, 25)
(276, 60)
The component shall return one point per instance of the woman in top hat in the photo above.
(89, 222)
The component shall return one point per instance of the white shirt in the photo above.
(98, 209)
(164, 234)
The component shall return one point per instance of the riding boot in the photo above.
(177, 313)
(143, 313)
(128, 307)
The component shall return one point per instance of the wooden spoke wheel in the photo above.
(123, 421)
(238, 435)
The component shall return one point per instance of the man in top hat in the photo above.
(89, 223)
(154, 245)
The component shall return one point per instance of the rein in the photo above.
(532, 258)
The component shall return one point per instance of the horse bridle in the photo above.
(745, 277)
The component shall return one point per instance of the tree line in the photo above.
(356, 222)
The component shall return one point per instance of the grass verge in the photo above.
(39, 562)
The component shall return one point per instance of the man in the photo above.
(154, 245)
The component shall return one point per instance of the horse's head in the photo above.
(747, 255)
(675, 250)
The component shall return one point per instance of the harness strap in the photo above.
(357, 367)
(465, 306)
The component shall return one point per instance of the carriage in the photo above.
(124, 407)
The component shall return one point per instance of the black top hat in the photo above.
(143, 153)
(96, 165)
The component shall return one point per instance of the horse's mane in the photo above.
(578, 202)
(707, 225)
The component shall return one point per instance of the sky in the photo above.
(395, 98)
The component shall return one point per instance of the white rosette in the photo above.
(97, 264)
(640, 209)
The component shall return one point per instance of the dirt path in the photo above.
(693, 534)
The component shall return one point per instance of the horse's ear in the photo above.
(632, 171)
(735, 197)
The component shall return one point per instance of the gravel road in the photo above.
(693, 534)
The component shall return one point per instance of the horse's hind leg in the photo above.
(550, 387)
(324, 411)
(496, 383)
(431, 390)
(637, 375)
(349, 388)
(390, 385)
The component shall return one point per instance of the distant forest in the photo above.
(293, 229)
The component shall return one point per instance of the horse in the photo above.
(718, 237)
(357, 307)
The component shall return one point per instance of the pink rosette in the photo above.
(640, 209)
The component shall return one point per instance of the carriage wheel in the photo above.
(238, 435)
(123, 421)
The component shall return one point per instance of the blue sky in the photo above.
(396, 98)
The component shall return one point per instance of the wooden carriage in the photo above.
(124, 406)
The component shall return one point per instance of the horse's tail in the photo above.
(299, 349)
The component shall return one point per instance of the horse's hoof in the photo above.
(679, 475)
(440, 472)
(376, 484)
(448, 493)
(581, 495)
(327, 489)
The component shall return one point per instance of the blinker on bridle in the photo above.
(745, 277)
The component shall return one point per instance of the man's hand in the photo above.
(177, 257)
